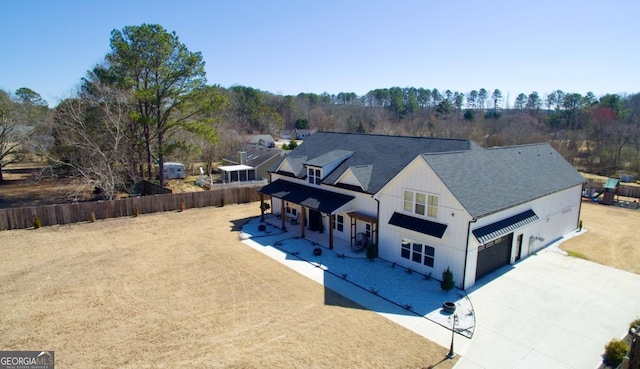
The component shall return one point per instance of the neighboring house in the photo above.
(428, 203)
(262, 140)
(251, 163)
(295, 134)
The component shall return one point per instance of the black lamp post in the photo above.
(454, 319)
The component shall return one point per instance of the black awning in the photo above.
(307, 196)
(504, 226)
(419, 225)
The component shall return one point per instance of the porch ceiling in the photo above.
(313, 198)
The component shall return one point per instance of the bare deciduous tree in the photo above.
(91, 139)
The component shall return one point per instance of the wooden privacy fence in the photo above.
(20, 218)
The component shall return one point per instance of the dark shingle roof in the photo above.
(256, 155)
(491, 180)
(387, 155)
(485, 181)
(329, 157)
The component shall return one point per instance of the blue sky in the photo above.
(292, 46)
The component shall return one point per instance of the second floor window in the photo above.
(420, 203)
(314, 175)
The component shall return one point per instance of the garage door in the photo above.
(493, 255)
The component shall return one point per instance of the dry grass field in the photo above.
(611, 238)
(178, 289)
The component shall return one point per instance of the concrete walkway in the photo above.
(549, 311)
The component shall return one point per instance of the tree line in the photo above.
(148, 101)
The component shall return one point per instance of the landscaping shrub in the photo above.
(36, 223)
(634, 325)
(614, 352)
(447, 280)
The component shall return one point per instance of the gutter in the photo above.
(466, 254)
(377, 225)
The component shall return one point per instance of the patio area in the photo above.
(412, 294)
(340, 246)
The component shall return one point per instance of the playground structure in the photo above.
(608, 193)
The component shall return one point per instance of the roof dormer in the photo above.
(319, 167)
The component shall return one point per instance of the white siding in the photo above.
(558, 215)
(450, 249)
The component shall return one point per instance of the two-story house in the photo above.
(428, 203)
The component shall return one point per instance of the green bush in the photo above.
(615, 351)
(447, 280)
(634, 325)
(36, 223)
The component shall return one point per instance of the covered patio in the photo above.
(315, 220)
(340, 246)
(237, 173)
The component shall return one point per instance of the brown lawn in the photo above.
(611, 238)
(178, 290)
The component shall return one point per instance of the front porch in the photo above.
(299, 229)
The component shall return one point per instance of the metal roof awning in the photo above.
(313, 198)
(504, 226)
(419, 225)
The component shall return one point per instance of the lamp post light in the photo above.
(454, 320)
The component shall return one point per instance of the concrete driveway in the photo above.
(549, 311)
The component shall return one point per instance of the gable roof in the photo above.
(256, 155)
(491, 180)
(362, 174)
(266, 140)
(383, 156)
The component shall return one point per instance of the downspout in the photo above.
(579, 211)
(466, 253)
(377, 225)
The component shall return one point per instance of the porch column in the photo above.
(352, 231)
(330, 232)
(261, 207)
(303, 220)
(282, 214)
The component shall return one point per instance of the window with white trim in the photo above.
(433, 206)
(417, 252)
(338, 223)
(314, 175)
(291, 210)
(420, 203)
